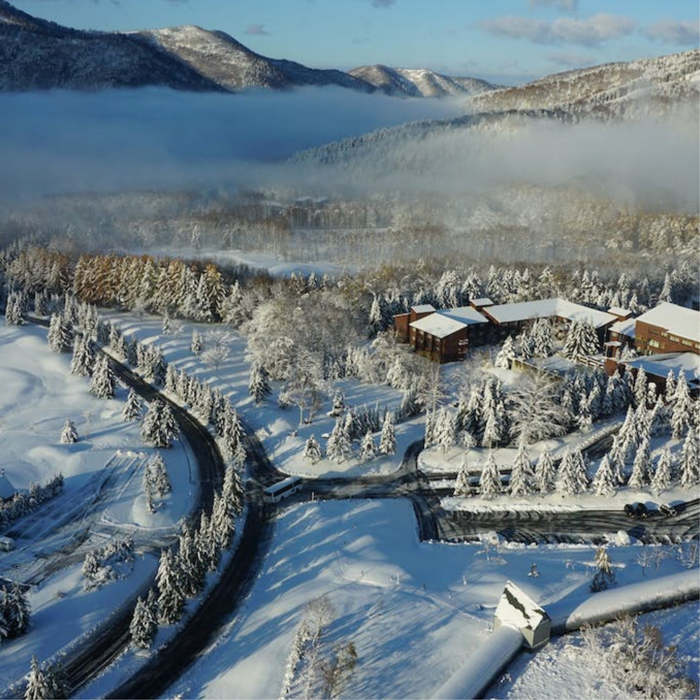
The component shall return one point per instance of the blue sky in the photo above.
(506, 40)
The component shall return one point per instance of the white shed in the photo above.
(516, 609)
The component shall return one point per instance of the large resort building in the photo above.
(667, 337)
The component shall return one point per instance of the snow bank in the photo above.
(483, 666)
(633, 598)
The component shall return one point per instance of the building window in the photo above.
(654, 343)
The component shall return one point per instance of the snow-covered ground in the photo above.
(278, 429)
(102, 497)
(414, 610)
(563, 670)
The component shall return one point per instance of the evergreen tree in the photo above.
(572, 478)
(232, 492)
(38, 683)
(545, 473)
(223, 522)
(462, 486)
(670, 389)
(521, 476)
(83, 359)
(143, 626)
(191, 570)
(132, 408)
(490, 479)
(207, 544)
(259, 384)
(171, 376)
(506, 354)
(339, 447)
(690, 460)
(641, 468)
(102, 383)
(368, 450)
(446, 430)
(159, 426)
(663, 472)
(605, 480)
(69, 434)
(197, 345)
(312, 450)
(171, 599)
(640, 388)
(681, 417)
(494, 429)
(387, 441)
(158, 476)
(54, 337)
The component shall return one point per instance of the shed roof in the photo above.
(423, 308)
(619, 311)
(482, 301)
(517, 609)
(548, 308)
(679, 320)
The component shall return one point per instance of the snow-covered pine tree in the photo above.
(446, 430)
(387, 441)
(605, 479)
(132, 408)
(143, 625)
(584, 419)
(338, 407)
(368, 449)
(69, 434)
(189, 563)
(543, 345)
(545, 473)
(91, 566)
(682, 413)
(159, 475)
(494, 428)
(521, 476)
(312, 450)
(572, 478)
(640, 387)
(663, 474)
(232, 491)
(171, 380)
(54, 337)
(670, 389)
(223, 523)
(38, 684)
(207, 544)
(82, 360)
(259, 384)
(690, 460)
(581, 340)
(171, 599)
(462, 487)
(339, 447)
(102, 382)
(506, 354)
(197, 344)
(641, 467)
(159, 426)
(490, 479)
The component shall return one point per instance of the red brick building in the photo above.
(667, 328)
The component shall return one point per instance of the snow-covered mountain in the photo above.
(233, 66)
(37, 54)
(419, 82)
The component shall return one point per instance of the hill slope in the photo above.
(419, 82)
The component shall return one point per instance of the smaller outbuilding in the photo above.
(516, 609)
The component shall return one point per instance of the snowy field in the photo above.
(278, 429)
(564, 670)
(413, 610)
(102, 498)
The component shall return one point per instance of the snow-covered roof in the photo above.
(444, 323)
(625, 327)
(659, 365)
(548, 308)
(674, 319)
(7, 490)
(517, 609)
(619, 311)
(423, 308)
(482, 301)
